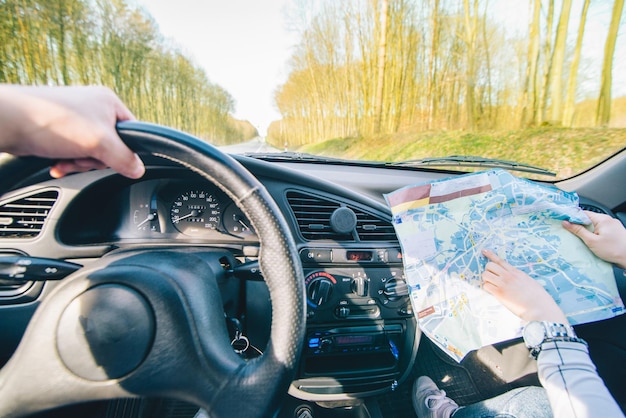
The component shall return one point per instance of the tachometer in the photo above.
(195, 212)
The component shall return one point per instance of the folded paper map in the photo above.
(443, 226)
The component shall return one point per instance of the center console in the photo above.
(360, 337)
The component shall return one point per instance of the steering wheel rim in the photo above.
(225, 385)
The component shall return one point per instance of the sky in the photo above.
(243, 46)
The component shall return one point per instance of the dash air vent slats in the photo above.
(591, 208)
(320, 218)
(24, 217)
(313, 215)
(371, 228)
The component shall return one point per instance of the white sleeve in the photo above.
(572, 382)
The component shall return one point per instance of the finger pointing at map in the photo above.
(520, 293)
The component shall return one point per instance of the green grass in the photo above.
(565, 151)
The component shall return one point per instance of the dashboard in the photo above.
(361, 336)
(169, 206)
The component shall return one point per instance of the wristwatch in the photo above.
(536, 333)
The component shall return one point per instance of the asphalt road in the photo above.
(257, 144)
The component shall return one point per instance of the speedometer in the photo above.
(194, 212)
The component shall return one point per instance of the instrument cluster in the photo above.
(184, 209)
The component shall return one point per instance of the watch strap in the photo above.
(555, 332)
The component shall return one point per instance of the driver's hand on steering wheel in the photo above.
(75, 125)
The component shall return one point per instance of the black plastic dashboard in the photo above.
(361, 336)
(167, 205)
(361, 333)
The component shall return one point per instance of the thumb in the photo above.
(579, 230)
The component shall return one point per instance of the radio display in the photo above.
(359, 255)
(342, 340)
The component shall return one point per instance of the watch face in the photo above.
(534, 334)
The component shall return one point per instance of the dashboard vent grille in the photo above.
(313, 216)
(371, 228)
(25, 217)
(591, 208)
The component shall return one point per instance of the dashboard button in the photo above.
(312, 255)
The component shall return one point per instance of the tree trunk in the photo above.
(471, 26)
(547, 66)
(570, 98)
(531, 91)
(382, 58)
(431, 102)
(603, 112)
(558, 58)
(489, 103)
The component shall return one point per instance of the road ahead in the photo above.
(257, 144)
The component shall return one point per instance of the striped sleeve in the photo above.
(574, 388)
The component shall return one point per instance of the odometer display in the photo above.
(195, 212)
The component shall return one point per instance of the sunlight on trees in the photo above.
(364, 68)
(108, 42)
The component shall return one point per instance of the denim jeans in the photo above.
(525, 402)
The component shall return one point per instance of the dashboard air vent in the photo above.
(591, 208)
(25, 217)
(371, 228)
(313, 215)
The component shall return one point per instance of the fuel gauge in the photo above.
(146, 217)
(236, 222)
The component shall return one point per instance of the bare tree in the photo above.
(431, 101)
(603, 112)
(547, 64)
(570, 98)
(382, 59)
(555, 72)
(531, 90)
(471, 34)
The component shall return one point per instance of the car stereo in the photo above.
(361, 332)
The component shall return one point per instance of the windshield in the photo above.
(533, 83)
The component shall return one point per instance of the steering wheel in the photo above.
(151, 322)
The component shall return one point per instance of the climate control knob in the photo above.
(319, 291)
(395, 289)
(319, 288)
